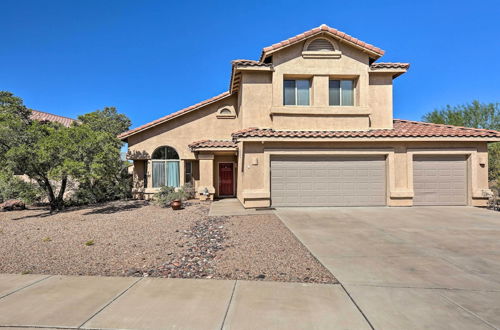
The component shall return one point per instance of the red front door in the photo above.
(226, 179)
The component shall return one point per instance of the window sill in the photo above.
(226, 116)
(321, 111)
(321, 54)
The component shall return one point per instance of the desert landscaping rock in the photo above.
(135, 238)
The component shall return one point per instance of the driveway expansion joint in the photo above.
(468, 311)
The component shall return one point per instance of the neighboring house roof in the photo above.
(322, 29)
(402, 128)
(45, 116)
(219, 97)
(203, 144)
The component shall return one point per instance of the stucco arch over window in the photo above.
(321, 47)
(165, 166)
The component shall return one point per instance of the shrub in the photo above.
(13, 187)
(110, 188)
(167, 195)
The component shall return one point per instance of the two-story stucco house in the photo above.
(311, 124)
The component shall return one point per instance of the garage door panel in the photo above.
(328, 181)
(440, 180)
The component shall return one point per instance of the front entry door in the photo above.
(226, 179)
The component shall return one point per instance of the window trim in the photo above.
(186, 172)
(165, 161)
(340, 92)
(296, 92)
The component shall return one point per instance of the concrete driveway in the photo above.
(410, 268)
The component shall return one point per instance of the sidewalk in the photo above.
(131, 303)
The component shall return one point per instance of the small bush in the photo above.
(47, 239)
(89, 243)
(13, 187)
(167, 195)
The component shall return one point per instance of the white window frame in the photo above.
(340, 89)
(296, 93)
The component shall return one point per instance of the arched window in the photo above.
(321, 44)
(165, 167)
(225, 111)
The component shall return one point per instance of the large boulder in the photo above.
(12, 204)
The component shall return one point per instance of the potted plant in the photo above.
(176, 204)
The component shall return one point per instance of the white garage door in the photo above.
(314, 181)
(440, 180)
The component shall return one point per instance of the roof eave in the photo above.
(395, 72)
(172, 116)
(374, 55)
(366, 139)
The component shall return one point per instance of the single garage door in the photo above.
(315, 181)
(440, 180)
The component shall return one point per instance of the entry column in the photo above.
(206, 189)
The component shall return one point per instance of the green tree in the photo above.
(106, 120)
(475, 114)
(51, 154)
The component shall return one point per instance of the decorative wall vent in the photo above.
(226, 112)
(321, 48)
(321, 44)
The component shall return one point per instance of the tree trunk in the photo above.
(60, 196)
(50, 193)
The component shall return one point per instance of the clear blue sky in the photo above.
(151, 58)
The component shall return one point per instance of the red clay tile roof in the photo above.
(234, 82)
(387, 65)
(402, 128)
(173, 115)
(212, 144)
(250, 63)
(323, 28)
(45, 116)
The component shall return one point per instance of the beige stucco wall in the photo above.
(259, 103)
(255, 168)
(178, 133)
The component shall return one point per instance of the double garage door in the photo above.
(314, 181)
(361, 181)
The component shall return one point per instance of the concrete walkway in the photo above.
(154, 303)
(410, 268)
(232, 206)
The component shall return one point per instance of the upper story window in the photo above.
(341, 92)
(296, 92)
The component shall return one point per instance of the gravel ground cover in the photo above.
(135, 238)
